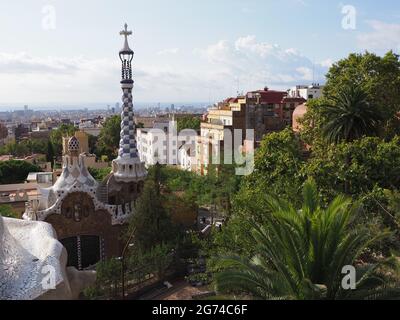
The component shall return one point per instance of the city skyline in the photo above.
(191, 53)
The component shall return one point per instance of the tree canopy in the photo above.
(14, 171)
(25, 148)
(301, 252)
(349, 116)
(188, 123)
(377, 78)
(108, 140)
(151, 223)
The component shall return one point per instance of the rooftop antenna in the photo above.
(313, 72)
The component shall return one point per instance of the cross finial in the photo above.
(125, 32)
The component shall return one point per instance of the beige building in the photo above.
(90, 159)
(83, 142)
(263, 111)
(226, 115)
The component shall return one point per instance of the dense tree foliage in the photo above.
(378, 76)
(7, 211)
(278, 164)
(188, 123)
(50, 153)
(374, 162)
(16, 171)
(379, 79)
(349, 116)
(301, 252)
(92, 140)
(65, 130)
(217, 188)
(108, 140)
(25, 148)
(151, 223)
(100, 174)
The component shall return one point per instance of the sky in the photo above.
(66, 51)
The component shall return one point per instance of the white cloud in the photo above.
(212, 73)
(305, 73)
(383, 37)
(23, 63)
(326, 63)
(168, 51)
(29, 79)
(259, 63)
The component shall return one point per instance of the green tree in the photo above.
(64, 130)
(161, 258)
(278, 164)
(349, 115)
(7, 211)
(188, 123)
(50, 153)
(25, 148)
(372, 73)
(151, 224)
(14, 171)
(301, 253)
(92, 143)
(100, 174)
(107, 279)
(108, 140)
(374, 162)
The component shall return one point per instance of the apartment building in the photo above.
(263, 111)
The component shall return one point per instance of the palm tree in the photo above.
(301, 254)
(350, 116)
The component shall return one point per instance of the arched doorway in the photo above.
(83, 251)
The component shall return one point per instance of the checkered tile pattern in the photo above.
(127, 145)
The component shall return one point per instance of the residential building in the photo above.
(313, 91)
(263, 111)
(224, 117)
(162, 142)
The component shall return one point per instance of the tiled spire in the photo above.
(127, 145)
(127, 167)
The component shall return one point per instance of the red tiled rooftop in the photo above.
(270, 96)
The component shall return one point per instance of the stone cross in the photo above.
(125, 32)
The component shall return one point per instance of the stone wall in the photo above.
(78, 218)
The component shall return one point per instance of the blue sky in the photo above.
(65, 51)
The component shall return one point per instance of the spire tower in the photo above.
(127, 167)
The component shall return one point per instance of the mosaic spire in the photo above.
(127, 146)
(128, 166)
